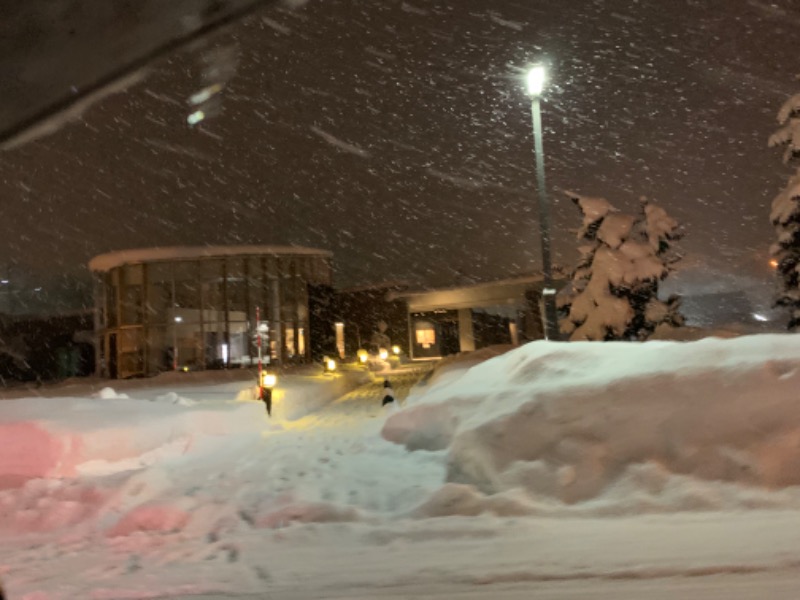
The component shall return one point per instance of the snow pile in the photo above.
(109, 393)
(158, 462)
(454, 364)
(616, 427)
(174, 398)
(229, 504)
(376, 364)
(82, 435)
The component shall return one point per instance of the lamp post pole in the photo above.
(175, 323)
(536, 78)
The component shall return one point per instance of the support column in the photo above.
(411, 340)
(277, 326)
(118, 324)
(200, 274)
(249, 322)
(466, 334)
(513, 329)
(100, 325)
(145, 320)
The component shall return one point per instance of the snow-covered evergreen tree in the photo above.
(785, 214)
(614, 290)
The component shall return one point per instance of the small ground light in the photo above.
(773, 263)
(330, 364)
(395, 349)
(268, 380)
(363, 356)
(383, 353)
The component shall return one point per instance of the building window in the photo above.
(426, 337)
(289, 340)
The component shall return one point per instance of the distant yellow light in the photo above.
(384, 353)
(330, 364)
(268, 380)
(363, 355)
(185, 369)
(773, 263)
(396, 349)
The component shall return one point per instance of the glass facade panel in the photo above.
(186, 289)
(110, 298)
(131, 291)
(213, 288)
(237, 285)
(159, 293)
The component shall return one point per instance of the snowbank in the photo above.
(607, 426)
(686, 333)
(112, 432)
(107, 434)
(465, 360)
(229, 503)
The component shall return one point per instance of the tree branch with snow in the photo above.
(785, 213)
(614, 290)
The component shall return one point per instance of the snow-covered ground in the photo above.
(610, 470)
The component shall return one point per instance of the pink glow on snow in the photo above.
(30, 451)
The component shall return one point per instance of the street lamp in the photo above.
(536, 78)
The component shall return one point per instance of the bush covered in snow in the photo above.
(785, 214)
(614, 290)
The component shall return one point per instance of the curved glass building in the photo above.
(189, 308)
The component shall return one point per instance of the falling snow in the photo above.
(342, 145)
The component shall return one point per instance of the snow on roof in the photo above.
(473, 286)
(396, 286)
(111, 260)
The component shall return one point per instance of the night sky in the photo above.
(397, 135)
